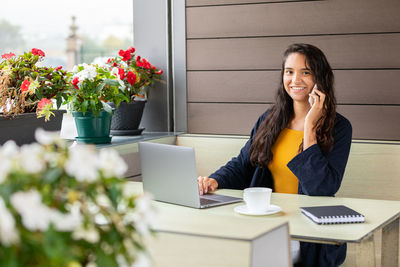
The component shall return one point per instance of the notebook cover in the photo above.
(332, 214)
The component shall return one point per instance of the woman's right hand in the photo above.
(206, 184)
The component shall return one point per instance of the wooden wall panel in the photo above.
(367, 86)
(223, 118)
(191, 3)
(299, 18)
(234, 59)
(352, 86)
(373, 122)
(232, 86)
(369, 122)
(342, 51)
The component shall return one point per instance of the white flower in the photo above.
(8, 232)
(115, 72)
(46, 138)
(5, 167)
(75, 69)
(31, 158)
(111, 163)
(67, 221)
(142, 260)
(10, 149)
(83, 163)
(121, 85)
(35, 216)
(89, 72)
(103, 200)
(8, 152)
(121, 261)
(91, 264)
(91, 234)
(101, 61)
(123, 64)
(144, 216)
(129, 190)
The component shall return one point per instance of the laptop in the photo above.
(169, 173)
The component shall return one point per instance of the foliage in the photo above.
(63, 206)
(92, 87)
(134, 73)
(23, 84)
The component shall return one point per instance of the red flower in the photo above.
(126, 55)
(115, 64)
(8, 56)
(25, 85)
(43, 103)
(146, 64)
(75, 82)
(131, 49)
(110, 60)
(38, 52)
(138, 63)
(121, 73)
(138, 58)
(159, 72)
(59, 68)
(131, 77)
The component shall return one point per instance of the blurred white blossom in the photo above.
(144, 216)
(31, 158)
(37, 216)
(111, 163)
(49, 184)
(83, 163)
(142, 260)
(91, 234)
(8, 232)
(46, 138)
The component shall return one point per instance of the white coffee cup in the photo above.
(257, 199)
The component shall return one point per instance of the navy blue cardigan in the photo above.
(319, 175)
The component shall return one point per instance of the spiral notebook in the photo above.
(332, 214)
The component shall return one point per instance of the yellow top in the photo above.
(284, 150)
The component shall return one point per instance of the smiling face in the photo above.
(298, 79)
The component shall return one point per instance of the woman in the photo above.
(300, 145)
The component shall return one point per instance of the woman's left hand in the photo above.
(315, 113)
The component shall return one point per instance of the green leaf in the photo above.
(84, 106)
(52, 175)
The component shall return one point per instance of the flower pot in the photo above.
(127, 117)
(22, 128)
(93, 129)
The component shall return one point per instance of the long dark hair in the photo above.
(282, 112)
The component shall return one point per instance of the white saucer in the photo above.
(243, 210)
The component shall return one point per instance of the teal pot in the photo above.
(22, 128)
(93, 129)
(127, 117)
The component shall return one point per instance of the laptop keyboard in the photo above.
(213, 198)
(206, 201)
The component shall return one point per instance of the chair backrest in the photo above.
(373, 169)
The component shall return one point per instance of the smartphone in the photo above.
(310, 99)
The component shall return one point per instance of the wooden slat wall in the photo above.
(234, 58)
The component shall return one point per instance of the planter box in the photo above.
(22, 128)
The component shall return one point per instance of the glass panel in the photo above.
(87, 29)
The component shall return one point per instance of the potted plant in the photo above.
(27, 92)
(69, 206)
(135, 74)
(92, 87)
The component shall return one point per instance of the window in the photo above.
(102, 28)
